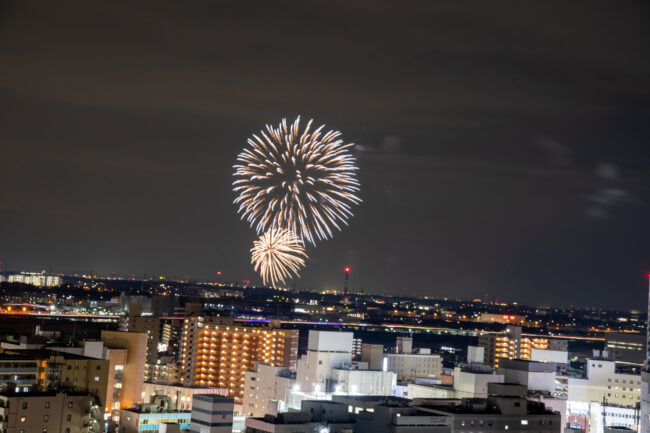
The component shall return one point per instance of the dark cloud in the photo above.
(487, 135)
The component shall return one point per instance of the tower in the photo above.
(347, 275)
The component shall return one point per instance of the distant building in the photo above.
(35, 279)
(408, 366)
(510, 344)
(404, 345)
(50, 412)
(626, 348)
(373, 354)
(508, 319)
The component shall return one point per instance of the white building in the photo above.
(536, 376)
(604, 384)
(211, 414)
(325, 351)
(470, 381)
(645, 403)
(364, 382)
(314, 416)
(409, 366)
(595, 417)
(266, 388)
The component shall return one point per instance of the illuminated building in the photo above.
(217, 353)
(151, 416)
(35, 279)
(508, 319)
(131, 372)
(511, 344)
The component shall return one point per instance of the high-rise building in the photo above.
(644, 418)
(217, 353)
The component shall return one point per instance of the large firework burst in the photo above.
(278, 254)
(301, 180)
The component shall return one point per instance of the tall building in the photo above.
(644, 421)
(217, 353)
(49, 412)
(131, 373)
(511, 344)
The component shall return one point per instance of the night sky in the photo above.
(503, 146)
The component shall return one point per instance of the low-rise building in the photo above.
(314, 415)
(51, 412)
(150, 417)
(181, 396)
(603, 383)
(349, 380)
(408, 366)
(212, 414)
(535, 376)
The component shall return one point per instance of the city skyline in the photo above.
(501, 150)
